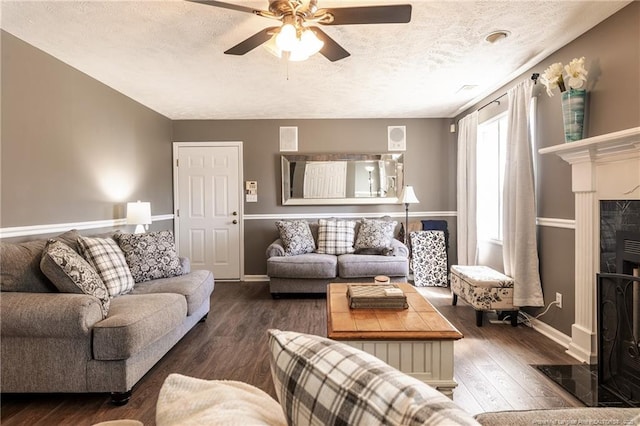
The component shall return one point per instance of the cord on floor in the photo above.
(523, 317)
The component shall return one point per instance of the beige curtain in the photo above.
(520, 247)
(466, 186)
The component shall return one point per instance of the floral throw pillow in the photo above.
(296, 237)
(375, 234)
(70, 273)
(336, 236)
(150, 256)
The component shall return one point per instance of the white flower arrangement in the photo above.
(576, 76)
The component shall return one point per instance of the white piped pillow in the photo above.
(189, 401)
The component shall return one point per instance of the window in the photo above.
(491, 153)
(491, 156)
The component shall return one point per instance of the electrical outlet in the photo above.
(559, 300)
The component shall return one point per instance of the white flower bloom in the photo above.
(575, 77)
(552, 77)
(576, 72)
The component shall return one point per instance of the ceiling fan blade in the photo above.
(227, 6)
(391, 14)
(252, 42)
(331, 50)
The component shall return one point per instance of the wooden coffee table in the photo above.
(417, 341)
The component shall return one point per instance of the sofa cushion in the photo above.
(20, 264)
(196, 287)
(321, 381)
(150, 255)
(311, 265)
(336, 236)
(363, 265)
(296, 237)
(190, 401)
(107, 258)
(20, 267)
(375, 234)
(135, 321)
(70, 273)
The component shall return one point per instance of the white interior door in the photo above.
(208, 206)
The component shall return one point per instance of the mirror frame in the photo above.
(286, 159)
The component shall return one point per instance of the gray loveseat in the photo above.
(60, 342)
(311, 272)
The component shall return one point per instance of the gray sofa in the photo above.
(311, 272)
(59, 342)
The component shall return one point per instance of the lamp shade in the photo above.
(139, 213)
(408, 196)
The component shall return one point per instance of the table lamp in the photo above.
(139, 214)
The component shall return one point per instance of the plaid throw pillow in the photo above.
(150, 255)
(336, 236)
(105, 256)
(321, 381)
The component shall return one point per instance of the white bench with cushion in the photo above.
(485, 289)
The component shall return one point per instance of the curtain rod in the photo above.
(534, 77)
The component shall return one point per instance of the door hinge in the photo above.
(177, 162)
(178, 213)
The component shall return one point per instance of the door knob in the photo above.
(235, 222)
(235, 213)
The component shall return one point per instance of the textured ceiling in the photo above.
(168, 55)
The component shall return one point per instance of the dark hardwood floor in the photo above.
(492, 364)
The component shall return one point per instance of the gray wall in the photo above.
(64, 133)
(429, 166)
(74, 149)
(612, 52)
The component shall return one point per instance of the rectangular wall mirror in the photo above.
(309, 179)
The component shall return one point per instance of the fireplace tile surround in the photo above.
(605, 167)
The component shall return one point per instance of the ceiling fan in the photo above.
(296, 40)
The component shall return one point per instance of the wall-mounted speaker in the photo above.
(288, 138)
(397, 138)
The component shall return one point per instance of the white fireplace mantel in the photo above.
(605, 167)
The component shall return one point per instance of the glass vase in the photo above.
(573, 113)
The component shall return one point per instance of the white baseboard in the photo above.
(550, 332)
(256, 278)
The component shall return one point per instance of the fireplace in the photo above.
(615, 380)
(618, 343)
(604, 167)
(619, 321)
(619, 220)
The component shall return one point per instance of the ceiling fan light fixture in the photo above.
(297, 56)
(272, 47)
(300, 49)
(309, 43)
(287, 38)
